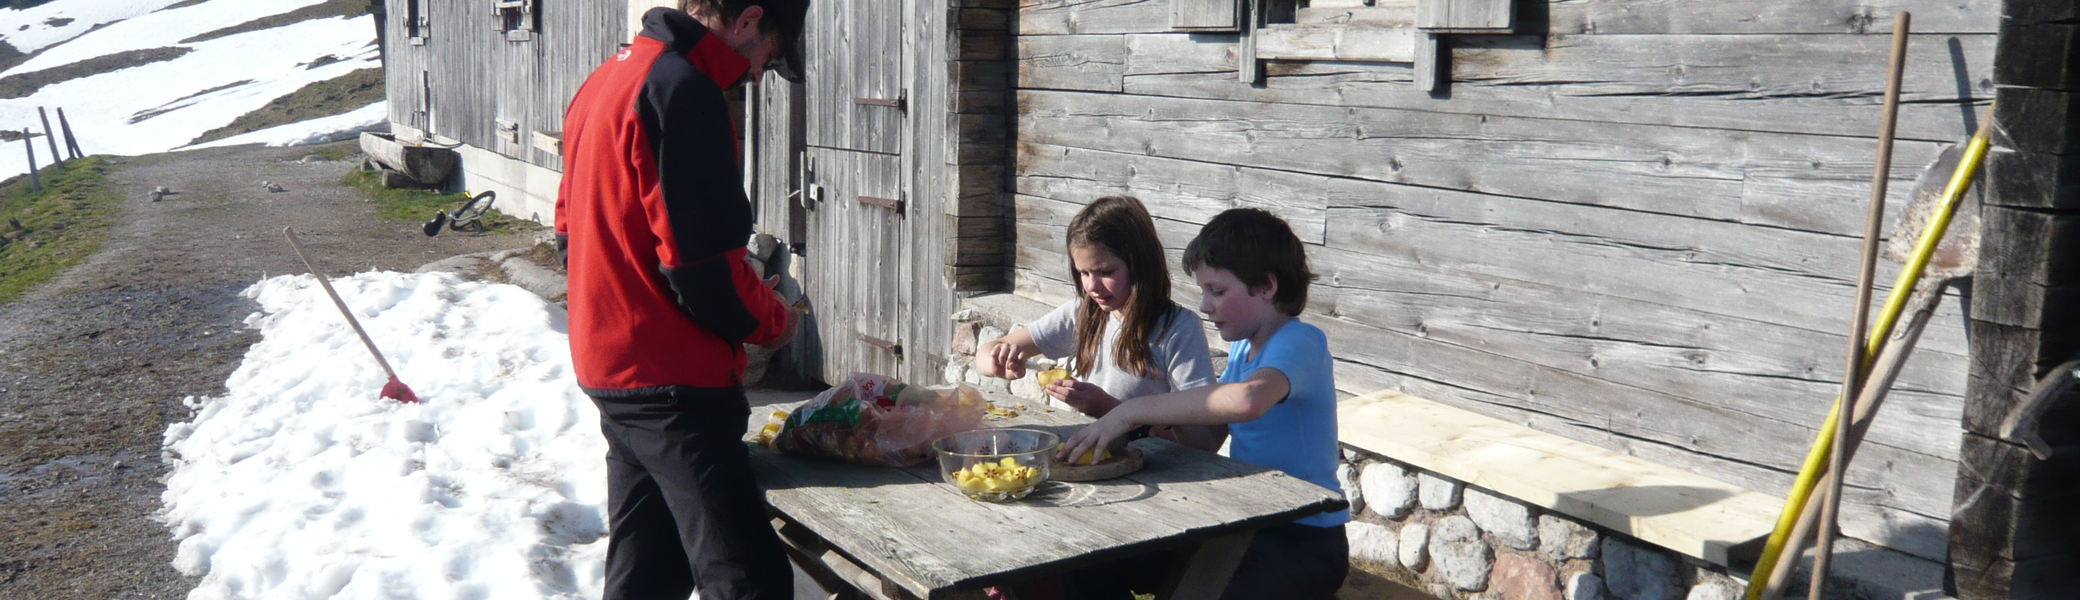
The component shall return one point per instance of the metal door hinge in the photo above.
(888, 203)
(900, 102)
(891, 347)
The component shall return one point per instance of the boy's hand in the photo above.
(1083, 396)
(1010, 363)
(1102, 434)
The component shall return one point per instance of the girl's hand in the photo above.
(1085, 397)
(1094, 436)
(1009, 361)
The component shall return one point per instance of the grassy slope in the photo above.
(60, 226)
(322, 99)
(23, 84)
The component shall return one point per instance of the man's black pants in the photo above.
(683, 510)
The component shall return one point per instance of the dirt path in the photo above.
(94, 365)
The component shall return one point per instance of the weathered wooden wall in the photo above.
(471, 75)
(1632, 223)
(914, 111)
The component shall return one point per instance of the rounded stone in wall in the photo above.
(1504, 518)
(1414, 539)
(1583, 586)
(1634, 573)
(1439, 493)
(1561, 539)
(1459, 555)
(1347, 478)
(1388, 489)
(1374, 543)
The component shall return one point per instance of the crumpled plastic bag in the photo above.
(877, 420)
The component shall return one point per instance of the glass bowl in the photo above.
(996, 465)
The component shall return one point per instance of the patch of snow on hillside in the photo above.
(374, 117)
(251, 69)
(162, 29)
(39, 27)
(301, 483)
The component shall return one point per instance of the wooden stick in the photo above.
(50, 136)
(298, 246)
(1884, 371)
(29, 143)
(1852, 376)
(71, 144)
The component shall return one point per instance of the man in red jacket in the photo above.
(653, 219)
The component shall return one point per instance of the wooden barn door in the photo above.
(858, 196)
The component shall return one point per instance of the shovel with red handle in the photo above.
(394, 390)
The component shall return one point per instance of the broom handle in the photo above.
(298, 246)
(1852, 374)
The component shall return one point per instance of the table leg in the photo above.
(1211, 566)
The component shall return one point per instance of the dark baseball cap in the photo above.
(788, 18)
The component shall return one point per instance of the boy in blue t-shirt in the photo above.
(1277, 396)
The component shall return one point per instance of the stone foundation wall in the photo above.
(1462, 542)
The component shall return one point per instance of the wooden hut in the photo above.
(1625, 223)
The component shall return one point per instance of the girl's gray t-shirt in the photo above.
(1177, 347)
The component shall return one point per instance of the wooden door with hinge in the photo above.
(857, 188)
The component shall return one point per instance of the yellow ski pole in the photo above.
(1895, 303)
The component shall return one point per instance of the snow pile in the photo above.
(160, 106)
(302, 483)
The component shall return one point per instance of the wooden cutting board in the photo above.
(1119, 465)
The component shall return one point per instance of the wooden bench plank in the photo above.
(1675, 509)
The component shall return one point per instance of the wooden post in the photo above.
(2013, 531)
(52, 137)
(29, 144)
(71, 143)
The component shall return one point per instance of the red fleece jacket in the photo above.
(653, 217)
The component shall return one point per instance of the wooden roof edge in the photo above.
(1690, 514)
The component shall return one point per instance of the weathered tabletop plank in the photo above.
(917, 532)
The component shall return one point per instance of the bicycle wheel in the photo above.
(471, 213)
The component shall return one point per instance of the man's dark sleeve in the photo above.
(688, 123)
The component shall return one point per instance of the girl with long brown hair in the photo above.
(1127, 337)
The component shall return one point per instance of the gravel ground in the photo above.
(94, 364)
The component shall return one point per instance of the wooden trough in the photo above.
(424, 165)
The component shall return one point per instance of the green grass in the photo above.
(419, 205)
(60, 226)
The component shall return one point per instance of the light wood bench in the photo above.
(1694, 515)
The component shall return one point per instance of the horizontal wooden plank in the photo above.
(1341, 42)
(1465, 16)
(1044, 17)
(2041, 247)
(1819, 84)
(1766, 16)
(2032, 179)
(1649, 168)
(1074, 62)
(2053, 118)
(1697, 516)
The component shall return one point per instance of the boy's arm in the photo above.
(1218, 404)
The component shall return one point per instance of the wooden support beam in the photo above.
(2014, 533)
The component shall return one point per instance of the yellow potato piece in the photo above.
(1048, 377)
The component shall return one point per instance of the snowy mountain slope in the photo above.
(160, 106)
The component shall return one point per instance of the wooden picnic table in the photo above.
(904, 533)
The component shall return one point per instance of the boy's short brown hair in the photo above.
(1257, 247)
